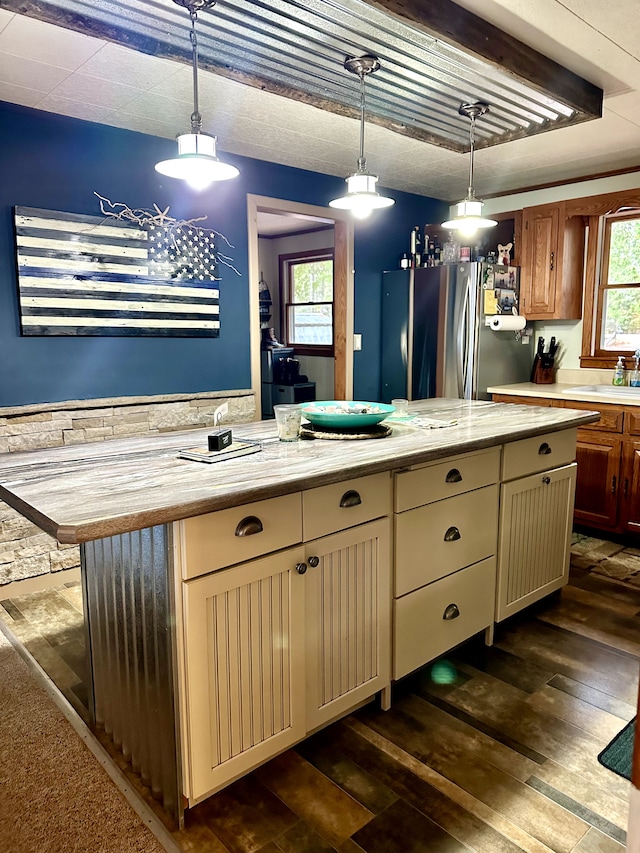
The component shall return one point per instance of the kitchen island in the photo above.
(234, 608)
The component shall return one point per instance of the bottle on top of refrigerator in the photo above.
(618, 373)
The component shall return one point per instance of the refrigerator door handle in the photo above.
(462, 349)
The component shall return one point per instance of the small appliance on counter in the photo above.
(282, 381)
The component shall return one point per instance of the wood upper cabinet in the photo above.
(552, 263)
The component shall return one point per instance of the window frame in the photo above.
(603, 284)
(285, 262)
(594, 209)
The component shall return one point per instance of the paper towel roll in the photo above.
(508, 323)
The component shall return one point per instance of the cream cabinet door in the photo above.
(534, 542)
(348, 616)
(243, 668)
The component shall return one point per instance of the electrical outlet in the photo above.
(357, 343)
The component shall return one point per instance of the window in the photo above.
(306, 281)
(618, 311)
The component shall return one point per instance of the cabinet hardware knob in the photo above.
(625, 488)
(248, 526)
(553, 258)
(454, 476)
(452, 611)
(544, 449)
(350, 498)
(452, 535)
(614, 483)
(546, 480)
(313, 561)
(301, 568)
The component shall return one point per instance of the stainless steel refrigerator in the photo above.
(436, 341)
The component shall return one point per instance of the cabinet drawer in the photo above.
(455, 475)
(229, 536)
(435, 540)
(611, 417)
(422, 630)
(521, 458)
(632, 422)
(340, 505)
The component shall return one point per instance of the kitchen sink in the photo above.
(600, 390)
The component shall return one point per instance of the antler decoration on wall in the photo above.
(174, 229)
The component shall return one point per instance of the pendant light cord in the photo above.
(362, 163)
(196, 118)
(471, 193)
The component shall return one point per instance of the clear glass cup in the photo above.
(288, 417)
(402, 407)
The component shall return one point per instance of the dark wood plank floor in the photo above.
(489, 749)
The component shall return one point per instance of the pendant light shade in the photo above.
(361, 197)
(469, 218)
(197, 162)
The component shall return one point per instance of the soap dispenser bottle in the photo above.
(618, 373)
(635, 373)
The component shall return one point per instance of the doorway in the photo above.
(271, 214)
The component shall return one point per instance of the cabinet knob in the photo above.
(546, 480)
(452, 611)
(350, 498)
(614, 484)
(544, 449)
(301, 568)
(313, 561)
(454, 476)
(249, 526)
(452, 535)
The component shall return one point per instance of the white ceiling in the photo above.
(61, 71)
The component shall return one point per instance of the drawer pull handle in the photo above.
(313, 562)
(546, 480)
(301, 568)
(451, 612)
(452, 535)
(350, 498)
(248, 526)
(544, 449)
(454, 476)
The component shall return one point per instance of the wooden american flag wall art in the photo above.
(91, 275)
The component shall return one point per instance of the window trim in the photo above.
(602, 284)
(594, 209)
(284, 262)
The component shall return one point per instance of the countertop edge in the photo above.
(98, 528)
(560, 391)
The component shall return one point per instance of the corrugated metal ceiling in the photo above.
(297, 49)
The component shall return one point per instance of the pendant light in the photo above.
(361, 197)
(196, 163)
(469, 217)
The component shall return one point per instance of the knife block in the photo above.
(542, 375)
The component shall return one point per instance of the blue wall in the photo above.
(57, 163)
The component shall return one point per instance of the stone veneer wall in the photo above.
(27, 552)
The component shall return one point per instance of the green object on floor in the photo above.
(617, 756)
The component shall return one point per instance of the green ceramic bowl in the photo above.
(346, 413)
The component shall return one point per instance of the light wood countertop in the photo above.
(84, 492)
(564, 391)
